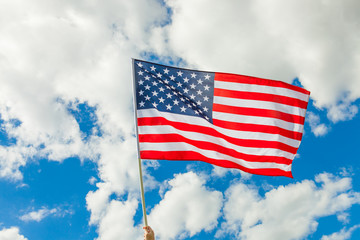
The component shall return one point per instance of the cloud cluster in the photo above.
(53, 55)
(38, 215)
(286, 212)
(316, 41)
(186, 209)
(11, 234)
(344, 234)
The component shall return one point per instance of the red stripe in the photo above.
(260, 97)
(258, 113)
(258, 128)
(209, 131)
(194, 156)
(228, 77)
(160, 138)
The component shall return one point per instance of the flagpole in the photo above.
(138, 148)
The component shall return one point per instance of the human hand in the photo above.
(149, 233)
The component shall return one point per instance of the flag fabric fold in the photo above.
(228, 120)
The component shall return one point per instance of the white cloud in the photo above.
(319, 129)
(11, 234)
(42, 213)
(186, 209)
(316, 41)
(342, 112)
(344, 234)
(118, 222)
(286, 212)
(75, 52)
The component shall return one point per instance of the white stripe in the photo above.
(248, 135)
(166, 129)
(261, 89)
(151, 112)
(258, 120)
(211, 154)
(260, 105)
(231, 133)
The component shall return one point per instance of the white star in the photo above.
(166, 71)
(141, 104)
(154, 83)
(193, 75)
(207, 76)
(141, 82)
(200, 81)
(206, 98)
(168, 107)
(207, 118)
(199, 92)
(172, 77)
(161, 100)
(140, 73)
(147, 78)
(182, 99)
(169, 95)
(180, 73)
(141, 92)
(186, 80)
(172, 87)
(183, 109)
(192, 86)
(192, 96)
(206, 109)
(196, 112)
(159, 75)
(207, 87)
(176, 102)
(199, 103)
(175, 93)
(147, 98)
(139, 64)
(166, 81)
(155, 93)
(189, 105)
(161, 89)
(179, 84)
(186, 90)
(155, 104)
(153, 68)
(147, 87)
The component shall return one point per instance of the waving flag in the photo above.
(228, 120)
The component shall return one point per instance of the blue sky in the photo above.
(68, 167)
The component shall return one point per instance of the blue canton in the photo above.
(174, 90)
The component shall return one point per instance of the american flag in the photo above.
(228, 120)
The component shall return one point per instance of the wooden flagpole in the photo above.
(138, 148)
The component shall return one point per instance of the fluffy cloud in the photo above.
(11, 234)
(287, 212)
(319, 129)
(118, 222)
(186, 209)
(56, 54)
(316, 41)
(38, 215)
(344, 234)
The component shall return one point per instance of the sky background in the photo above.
(68, 167)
